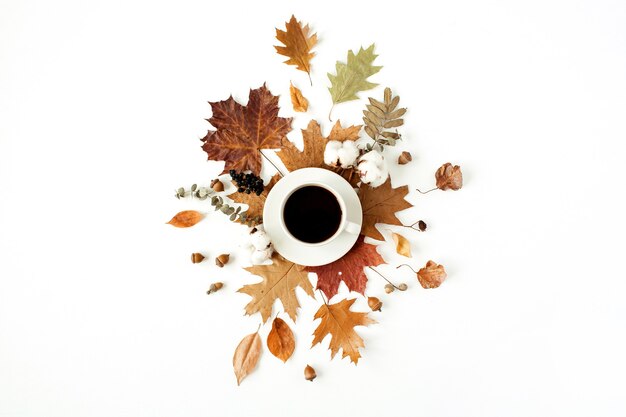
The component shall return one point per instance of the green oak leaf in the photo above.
(352, 76)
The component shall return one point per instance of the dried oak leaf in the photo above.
(246, 356)
(313, 153)
(298, 101)
(280, 280)
(242, 131)
(403, 246)
(255, 202)
(280, 340)
(449, 177)
(186, 218)
(352, 76)
(298, 44)
(432, 275)
(380, 205)
(339, 321)
(348, 268)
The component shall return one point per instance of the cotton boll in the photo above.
(373, 168)
(331, 152)
(348, 154)
(383, 173)
(258, 257)
(369, 171)
(373, 156)
(259, 240)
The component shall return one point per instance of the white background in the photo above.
(101, 108)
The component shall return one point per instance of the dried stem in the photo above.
(323, 298)
(310, 80)
(408, 266)
(329, 113)
(394, 285)
(268, 160)
(426, 192)
(412, 226)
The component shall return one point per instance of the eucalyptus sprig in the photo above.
(201, 193)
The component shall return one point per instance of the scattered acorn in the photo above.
(374, 303)
(403, 287)
(222, 260)
(404, 158)
(421, 225)
(215, 287)
(196, 258)
(389, 288)
(217, 185)
(309, 373)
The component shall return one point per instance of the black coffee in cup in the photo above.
(312, 214)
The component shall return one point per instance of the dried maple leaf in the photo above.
(403, 246)
(449, 177)
(242, 131)
(352, 76)
(255, 202)
(298, 44)
(246, 356)
(339, 321)
(186, 218)
(348, 268)
(298, 101)
(280, 280)
(313, 153)
(432, 275)
(280, 340)
(380, 205)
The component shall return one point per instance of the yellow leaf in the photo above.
(299, 102)
(246, 356)
(403, 246)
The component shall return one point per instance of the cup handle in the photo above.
(352, 228)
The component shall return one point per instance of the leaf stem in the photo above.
(329, 113)
(310, 80)
(274, 165)
(408, 266)
(412, 226)
(323, 298)
(394, 285)
(426, 192)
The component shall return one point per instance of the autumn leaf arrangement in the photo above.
(242, 135)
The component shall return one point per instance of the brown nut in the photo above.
(222, 260)
(389, 288)
(217, 185)
(215, 287)
(309, 373)
(196, 258)
(403, 287)
(404, 158)
(374, 303)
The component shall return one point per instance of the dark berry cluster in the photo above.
(247, 183)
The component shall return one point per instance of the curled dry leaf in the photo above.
(403, 246)
(339, 321)
(432, 275)
(186, 218)
(298, 44)
(280, 340)
(298, 101)
(246, 356)
(449, 177)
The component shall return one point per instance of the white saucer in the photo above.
(302, 253)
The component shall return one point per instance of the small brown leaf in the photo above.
(186, 218)
(432, 275)
(449, 177)
(403, 246)
(246, 356)
(299, 102)
(280, 340)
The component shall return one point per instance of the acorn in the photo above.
(403, 287)
(196, 258)
(404, 158)
(309, 373)
(374, 303)
(222, 260)
(389, 288)
(217, 185)
(215, 287)
(421, 225)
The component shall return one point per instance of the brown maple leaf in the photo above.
(380, 205)
(449, 177)
(348, 268)
(432, 275)
(255, 202)
(298, 45)
(339, 321)
(280, 280)
(312, 156)
(242, 131)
